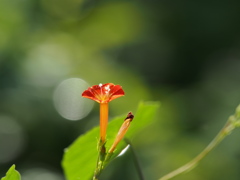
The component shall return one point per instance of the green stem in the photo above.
(100, 160)
(97, 170)
(226, 130)
(135, 160)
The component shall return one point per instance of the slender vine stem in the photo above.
(100, 160)
(135, 160)
(226, 130)
(96, 170)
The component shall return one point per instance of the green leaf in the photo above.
(80, 158)
(12, 174)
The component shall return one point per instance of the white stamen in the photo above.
(107, 88)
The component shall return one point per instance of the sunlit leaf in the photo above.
(79, 159)
(12, 174)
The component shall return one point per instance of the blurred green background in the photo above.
(182, 53)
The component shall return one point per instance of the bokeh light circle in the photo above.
(12, 139)
(68, 99)
(41, 174)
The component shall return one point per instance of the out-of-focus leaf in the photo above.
(12, 174)
(79, 159)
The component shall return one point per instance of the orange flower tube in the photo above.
(103, 121)
(103, 94)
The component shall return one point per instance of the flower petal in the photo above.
(103, 93)
(116, 92)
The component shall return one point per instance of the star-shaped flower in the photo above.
(103, 93)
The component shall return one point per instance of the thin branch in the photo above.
(226, 130)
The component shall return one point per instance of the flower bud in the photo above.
(122, 131)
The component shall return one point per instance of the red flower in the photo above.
(103, 93)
